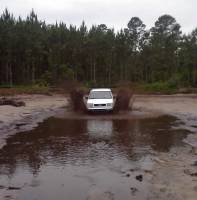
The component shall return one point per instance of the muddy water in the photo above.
(85, 159)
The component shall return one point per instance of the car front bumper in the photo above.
(106, 108)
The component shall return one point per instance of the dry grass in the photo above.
(24, 90)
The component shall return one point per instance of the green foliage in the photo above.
(166, 87)
(170, 86)
(174, 82)
(46, 79)
(90, 84)
(66, 73)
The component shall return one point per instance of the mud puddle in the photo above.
(82, 159)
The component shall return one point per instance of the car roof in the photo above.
(101, 90)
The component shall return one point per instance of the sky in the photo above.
(114, 13)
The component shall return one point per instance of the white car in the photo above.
(100, 99)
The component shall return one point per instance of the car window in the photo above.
(100, 95)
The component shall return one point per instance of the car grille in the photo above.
(96, 105)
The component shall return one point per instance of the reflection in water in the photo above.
(81, 153)
(100, 128)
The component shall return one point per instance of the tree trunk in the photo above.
(91, 69)
(121, 72)
(126, 72)
(10, 76)
(7, 73)
(94, 71)
(33, 74)
(109, 75)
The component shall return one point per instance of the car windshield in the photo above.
(100, 95)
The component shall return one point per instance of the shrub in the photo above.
(66, 73)
(168, 87)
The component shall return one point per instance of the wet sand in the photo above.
(40, 107)
(143, 106)
(169, 104)
(37, 108)
(172, 174)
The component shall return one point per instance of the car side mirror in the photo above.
(114, 96)
(86, 97)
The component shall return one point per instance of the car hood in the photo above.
(100, 101)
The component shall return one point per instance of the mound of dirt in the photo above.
(12, 102)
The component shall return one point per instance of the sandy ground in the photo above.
(169, 104)
(38, 108)
(173, 174)
(182, 106)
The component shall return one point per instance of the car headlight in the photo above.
(109, 104)
(90, 105)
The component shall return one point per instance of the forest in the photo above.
(34, 52)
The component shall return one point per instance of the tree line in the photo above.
(32, 51)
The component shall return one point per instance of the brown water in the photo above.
(85, 159)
